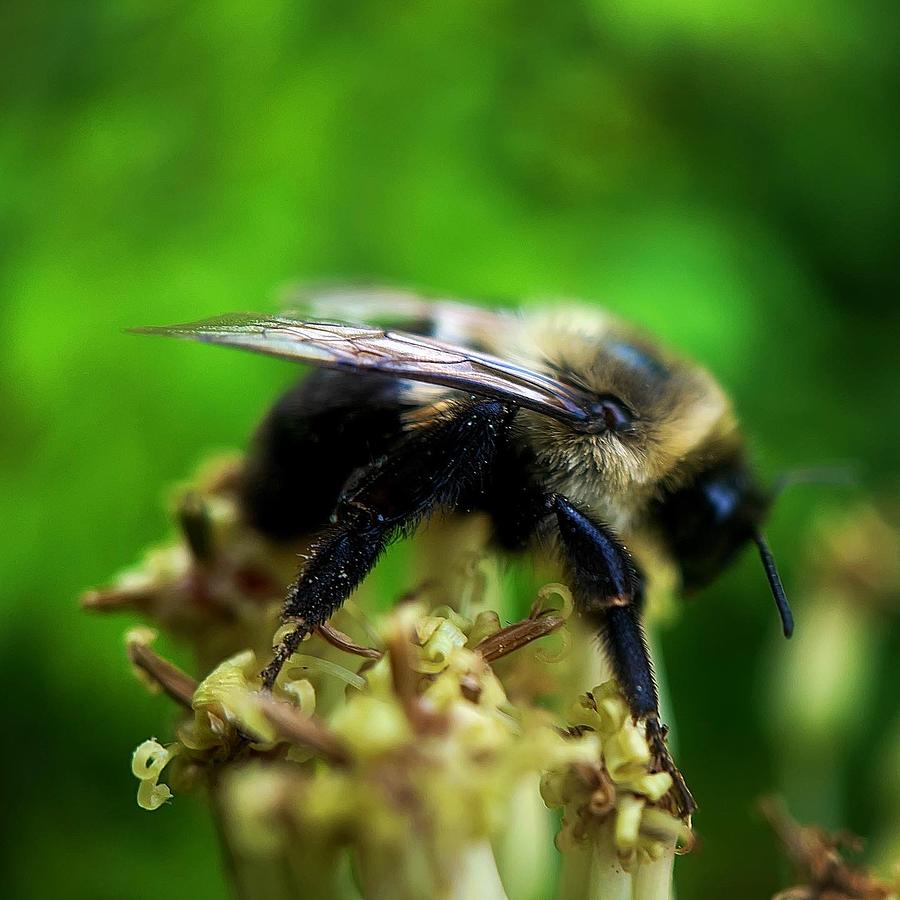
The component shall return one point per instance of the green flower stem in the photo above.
(607, 880)
(525, 853)
(476, 874)
(653, 880)
(410, 875)
(575, 873)
(291, 874)
(241, 873)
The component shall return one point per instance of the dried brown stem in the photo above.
(306, 731)
(818, 855)
(513, 637)
(405, 679)
(344, 642)
(116, 599)
(176, 684)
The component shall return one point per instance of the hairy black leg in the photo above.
(435, 465)
(340, 559)
(626, 648)
(608, 590)
(601, 569)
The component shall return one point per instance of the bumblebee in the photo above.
(563, 425)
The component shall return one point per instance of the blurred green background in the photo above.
(723, 173)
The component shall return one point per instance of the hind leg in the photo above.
(435, 465)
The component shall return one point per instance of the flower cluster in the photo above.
(415, 752)
(616, 794)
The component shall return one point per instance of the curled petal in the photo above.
(151, 796)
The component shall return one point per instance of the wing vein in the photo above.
(396, 353)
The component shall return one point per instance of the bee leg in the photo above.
(340, 559)
(433, 465)
(684, 803)
(608, 591)
(626, 647)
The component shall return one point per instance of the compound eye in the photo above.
(615, 415)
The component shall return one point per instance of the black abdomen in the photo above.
(311, 441)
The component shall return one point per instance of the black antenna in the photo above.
(781, 600)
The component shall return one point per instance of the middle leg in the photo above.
(608, 591)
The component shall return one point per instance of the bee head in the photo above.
(651, 409)
(709, 520)
(665, 447)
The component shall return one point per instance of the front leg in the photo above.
(432, 466)
(608, 590)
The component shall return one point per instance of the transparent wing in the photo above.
(348, 347)
(449, 320)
